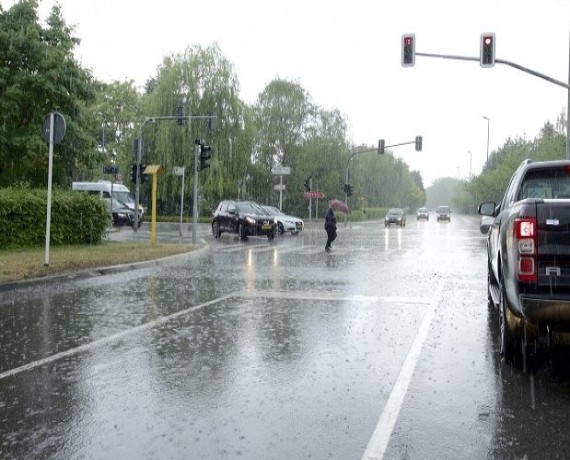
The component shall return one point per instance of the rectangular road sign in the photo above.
(110, 169)
(279, 187)
(281, 170)
(178, 170)
(317, 195)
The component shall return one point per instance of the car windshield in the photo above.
(124, 197)
(396, 212)
(443, 209)
(246, 207)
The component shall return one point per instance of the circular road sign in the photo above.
(58, 127)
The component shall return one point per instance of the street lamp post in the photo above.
(488, 120)
(470, 163)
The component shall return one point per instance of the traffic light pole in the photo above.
(195, 192)
(139, 160)
(347, 179)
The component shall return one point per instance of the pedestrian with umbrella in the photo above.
(330, 220)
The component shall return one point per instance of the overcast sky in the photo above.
(346, 54)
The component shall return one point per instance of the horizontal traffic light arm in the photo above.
(174, 117)
(402, 143)
(497, 61)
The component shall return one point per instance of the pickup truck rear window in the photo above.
(546, 183)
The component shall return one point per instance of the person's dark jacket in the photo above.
(330, 219)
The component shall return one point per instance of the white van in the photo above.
(123, 201)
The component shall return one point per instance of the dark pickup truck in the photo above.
(528, 246)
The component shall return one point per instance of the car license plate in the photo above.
(266, 227)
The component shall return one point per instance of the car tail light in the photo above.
(526, 239)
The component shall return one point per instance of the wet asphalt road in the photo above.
(382, 348)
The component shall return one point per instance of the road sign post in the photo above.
(179, 171)
(53, 131)
(281, 171)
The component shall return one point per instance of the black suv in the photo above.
(244, 218)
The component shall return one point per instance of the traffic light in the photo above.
(179, 112)
(144, 177)
(348, 189)
(419, 143)
(487, 55)
(381, 146)
(408, 50)
(205, 156)
(307, 186)
(134, 173)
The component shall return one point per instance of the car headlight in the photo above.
(250, 220)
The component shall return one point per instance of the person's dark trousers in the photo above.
(331, 236)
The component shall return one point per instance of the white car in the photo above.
(285, 223)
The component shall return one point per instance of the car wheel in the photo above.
(510, 346)
(216, 229)
(490, 301)
(281, 228)
(271, 236)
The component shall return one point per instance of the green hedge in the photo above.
(76, 218)
(358, 215)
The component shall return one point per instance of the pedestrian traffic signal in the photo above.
(419, 143)
(134, 173)
(307, 186)
(408, 50)
(348, 189)
(205, 156)
(487, 55)
(381, 146)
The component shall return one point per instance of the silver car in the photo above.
(285, 223)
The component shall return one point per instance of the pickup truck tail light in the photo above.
(526, 239)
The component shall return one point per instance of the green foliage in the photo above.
(38, 75)
(76, 218)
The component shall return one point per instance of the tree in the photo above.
(38, 75)
(202, 82)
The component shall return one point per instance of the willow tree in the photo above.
(200, 82)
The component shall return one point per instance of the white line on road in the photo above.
(383, 431)
(110, 339)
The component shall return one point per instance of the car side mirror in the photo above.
(487, 208)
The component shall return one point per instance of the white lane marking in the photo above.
(331, 295)
(293, 295)
(383, 431)
(110, 339)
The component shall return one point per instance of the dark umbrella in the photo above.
(339, 205)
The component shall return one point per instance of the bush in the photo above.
(76, 218)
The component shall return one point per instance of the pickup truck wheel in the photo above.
(490, 302)
(510, 346)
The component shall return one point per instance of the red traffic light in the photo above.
(408, 50)
(487, 53)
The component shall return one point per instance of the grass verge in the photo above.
(19, 264)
